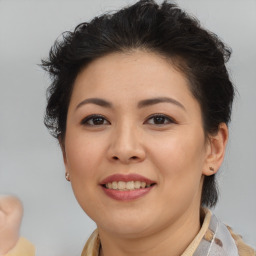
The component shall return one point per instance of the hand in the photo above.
(11, 212)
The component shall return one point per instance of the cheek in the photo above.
(83, 156)
(176, 151)
(83, 162)
(179, 160)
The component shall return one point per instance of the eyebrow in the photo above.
(96, 101)
(141, 104)
(153, 101)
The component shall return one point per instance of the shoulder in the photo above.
(243, 248)
(220, 239)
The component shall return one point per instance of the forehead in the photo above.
(130, 77)
(125, 80)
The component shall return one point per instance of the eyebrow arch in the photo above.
(141, 104)
(149, 102)
(97, 101)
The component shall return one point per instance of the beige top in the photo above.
(22, 248)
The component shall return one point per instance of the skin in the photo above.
(11, 212)
(175, 153)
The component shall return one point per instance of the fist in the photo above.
(11, 212)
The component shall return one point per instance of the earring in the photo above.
(211, 169)
(67, 176)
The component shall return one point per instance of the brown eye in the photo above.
(95, 120)
(160, 120)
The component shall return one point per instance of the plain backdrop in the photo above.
(30, 159)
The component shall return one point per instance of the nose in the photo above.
(126, 145)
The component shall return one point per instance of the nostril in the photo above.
(125, 159)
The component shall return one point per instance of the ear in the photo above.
(216, 148)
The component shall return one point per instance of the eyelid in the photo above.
(170, 119)
(87, 118)
(90, 117)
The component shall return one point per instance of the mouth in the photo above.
(126, 187)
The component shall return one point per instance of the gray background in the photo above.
(31, 163)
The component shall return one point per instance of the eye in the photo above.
(160, 119)
(95, 120)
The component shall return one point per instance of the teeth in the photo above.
(114, 185)
(130, 185)
(121, 185)
(137, 184)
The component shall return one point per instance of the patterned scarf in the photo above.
(214, 239)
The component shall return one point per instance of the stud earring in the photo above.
(211, 169)
(67, 176)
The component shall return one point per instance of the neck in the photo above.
(169, 241)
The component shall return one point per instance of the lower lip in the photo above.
(126, 195)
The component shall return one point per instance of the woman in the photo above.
(140, 101)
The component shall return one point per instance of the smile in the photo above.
(126, 187)
(130, 185)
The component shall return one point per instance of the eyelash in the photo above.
(86, 120)
(169, 119)
(94, 117)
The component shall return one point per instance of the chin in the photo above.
(128, 231)
(128, 225)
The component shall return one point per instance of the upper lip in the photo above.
(126, 178)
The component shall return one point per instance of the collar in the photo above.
(213, 239)
(217, 240)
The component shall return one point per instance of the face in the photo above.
(134, 145)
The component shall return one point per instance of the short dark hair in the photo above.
(164, 29)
